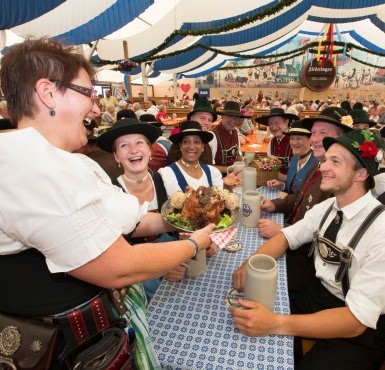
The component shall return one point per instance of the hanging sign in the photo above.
(317, 76)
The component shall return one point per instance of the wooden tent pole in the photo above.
(144, 81)
(125, 50)
(175, 85)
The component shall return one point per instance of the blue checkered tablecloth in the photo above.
(192, 327)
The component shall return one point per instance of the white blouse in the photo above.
(171, 183)
(60, 203)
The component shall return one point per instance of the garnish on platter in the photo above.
(197, 208)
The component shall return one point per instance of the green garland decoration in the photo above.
(228, 27)
(288, 54)
(262, 64)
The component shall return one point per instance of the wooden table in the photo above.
(192, 328)
(168, 125)
(253, 146)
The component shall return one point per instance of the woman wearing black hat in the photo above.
(188, 171)
(130, 141)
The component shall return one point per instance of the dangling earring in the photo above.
(150, 158)
(119, 164)
(52, 112)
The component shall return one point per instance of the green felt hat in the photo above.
(365, 146)
(361, 116)
(335, 115)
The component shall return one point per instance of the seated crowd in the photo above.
(102, 200)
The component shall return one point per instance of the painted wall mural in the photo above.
(350, 74)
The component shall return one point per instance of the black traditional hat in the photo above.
(127, 126)
(276, 112)
(191, 128)
(203, 105)
(335, 115)
(231, 108)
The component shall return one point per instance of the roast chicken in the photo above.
(202, 207)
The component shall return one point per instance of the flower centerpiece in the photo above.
(267, 169)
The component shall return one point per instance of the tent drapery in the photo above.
(361, 22)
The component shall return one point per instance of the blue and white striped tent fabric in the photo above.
(146, 24)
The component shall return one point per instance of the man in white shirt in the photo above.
(138, 109)
(152, 108)
(343, 307)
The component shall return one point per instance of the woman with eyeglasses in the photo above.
(61, 220)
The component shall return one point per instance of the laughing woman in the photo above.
(130, 142)
(60, 236)
(188, 171)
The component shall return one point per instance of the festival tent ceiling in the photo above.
(196, 37)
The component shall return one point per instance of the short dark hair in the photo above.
(25, 63)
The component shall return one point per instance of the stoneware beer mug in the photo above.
(261, 280)
(259, 136)
(249, 156)
(198, 267)
(249, 179)
(251, 208)
(238, 165)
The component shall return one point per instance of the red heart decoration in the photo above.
(185, 88)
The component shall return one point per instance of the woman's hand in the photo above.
(275, 184)
(232, 179)
(201, 236)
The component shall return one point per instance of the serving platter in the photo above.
(167, 209)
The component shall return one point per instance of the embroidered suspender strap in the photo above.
(207, 171)
(161, 194)
(179, 176)
(346, 254)
(311, 251)
(223, 151)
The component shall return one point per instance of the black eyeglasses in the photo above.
(80, 89)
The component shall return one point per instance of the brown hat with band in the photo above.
(232, 108)
(276, 112)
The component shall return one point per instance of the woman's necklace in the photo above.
(132, 181)
(188, 165)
